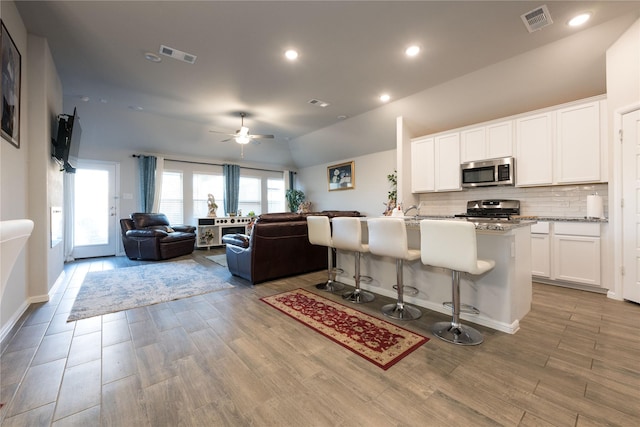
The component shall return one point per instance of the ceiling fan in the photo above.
(242, 135)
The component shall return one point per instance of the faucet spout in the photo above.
(411, 208)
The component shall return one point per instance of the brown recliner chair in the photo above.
(149, 236)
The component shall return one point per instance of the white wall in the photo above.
(31, 182)
(371, 185)
(14, 173)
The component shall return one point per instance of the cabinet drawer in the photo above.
(541, 227)
(577, 228)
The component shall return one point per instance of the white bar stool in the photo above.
(319, 230)
(388, 237)
(452, 245)
(347, 235)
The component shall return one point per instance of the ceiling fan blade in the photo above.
(223, 133)
(261, 136)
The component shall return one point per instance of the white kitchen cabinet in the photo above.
(576, 253)
(435, 163)
(487, 142)
(566, 252)
(534, 150)
(447, 158)
(578, 143)
(540, 250)
(423, 165)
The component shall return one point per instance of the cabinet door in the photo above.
(578, 143)
(499, 140)
(577, 259)
(473, 145)
(422, 165)
(540, 255)
(534, 150)
(447, 149)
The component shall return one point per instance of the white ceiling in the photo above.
(350, 52)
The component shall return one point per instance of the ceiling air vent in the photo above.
(177, 54)
(318, 103)
(537, 18)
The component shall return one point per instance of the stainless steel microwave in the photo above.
(488, 172)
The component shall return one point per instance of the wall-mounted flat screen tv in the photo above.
(67, 143)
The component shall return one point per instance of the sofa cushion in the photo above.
(144, 220)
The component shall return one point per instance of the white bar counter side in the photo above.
(502, 295)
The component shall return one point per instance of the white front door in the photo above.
(95, 210)
(631, 208)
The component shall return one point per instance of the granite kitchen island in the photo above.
(502, 295)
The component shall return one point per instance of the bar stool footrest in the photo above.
(408, 290)
(464, 308)
(365, 279)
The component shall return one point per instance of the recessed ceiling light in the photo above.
(135, 108)
(412, 50)
(385, 97)
(578, 20)
(149, 56)
(342, 117)
(291, 55)
(84, 98)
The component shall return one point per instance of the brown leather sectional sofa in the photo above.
(278, 246)
(149, 236)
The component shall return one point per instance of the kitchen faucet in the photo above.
(417, 208)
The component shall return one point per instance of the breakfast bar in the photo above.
(502, 296)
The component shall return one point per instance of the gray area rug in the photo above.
(109, 291)
(218, 259)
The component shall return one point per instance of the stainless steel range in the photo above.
(491, 210)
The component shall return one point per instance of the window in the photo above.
(275, 195)
(203, 185)
(249, 198)
(171, 198)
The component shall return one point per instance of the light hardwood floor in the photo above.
(227, 359)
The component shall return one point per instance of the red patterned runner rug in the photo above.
(380, 342)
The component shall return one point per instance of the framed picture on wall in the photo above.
(11, 68)
(342, 176)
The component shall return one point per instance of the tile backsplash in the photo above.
(555, 201)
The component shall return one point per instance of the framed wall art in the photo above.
(342, 176)
(11, 69)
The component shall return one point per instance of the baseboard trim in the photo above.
(13, 321)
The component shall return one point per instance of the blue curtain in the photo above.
(231, 188)
(147, 182)
(292, 176)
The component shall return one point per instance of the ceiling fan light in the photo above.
(244, 131)
(243, 139)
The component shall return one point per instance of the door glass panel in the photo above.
(91, 215)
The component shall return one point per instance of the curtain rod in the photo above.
(213, 164)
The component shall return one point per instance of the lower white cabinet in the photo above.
(567, 252)
(540, 256)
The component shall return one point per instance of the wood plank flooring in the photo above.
(227, 359)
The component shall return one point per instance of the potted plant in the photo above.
(392, 195)
(294, 198)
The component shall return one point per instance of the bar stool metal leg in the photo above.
(358, 296)
(330, 285)
(399, 310)
(453, 331)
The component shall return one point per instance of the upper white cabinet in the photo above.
(578, 143)
(534, 150)
(447, 157)
(487, 142)
(561, 146)
(423, 165)
(435, 163)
